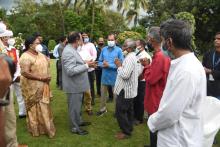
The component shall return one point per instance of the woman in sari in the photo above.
(35, 89)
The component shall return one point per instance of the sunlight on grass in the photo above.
(101, 132)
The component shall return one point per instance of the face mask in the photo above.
(101, 44)
(150, 47)
(86, 40)
(111, 43)
(167, 52)
(11, 42)
(39, 48)
(137, 50)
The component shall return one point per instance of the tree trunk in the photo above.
(93, 18)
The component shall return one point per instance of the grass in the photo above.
(101, 132)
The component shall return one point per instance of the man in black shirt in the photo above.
(211, 63)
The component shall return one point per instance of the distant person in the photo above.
(211, 63)
(75, 81)
(139, 99)
(109, 70)
(178, 120)
(42, 47)
(35, 79)
(98, 72)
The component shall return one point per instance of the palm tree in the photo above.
(93, 4)
(132, 7)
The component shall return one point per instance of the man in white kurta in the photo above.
(178, 119)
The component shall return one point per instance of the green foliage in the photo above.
(51, 44)
(188, 17)
(141, 30)
(206, 14)
(19, 42)
(128, 34)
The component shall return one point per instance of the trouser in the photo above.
(88, 100)
(98, 74)
(10, 123)
(20, 99)
(124, 113)
(139, 101)
(104, 89)
(110, 93)
(57, 70)
(153, 138)
(91, 75)
(74, 108)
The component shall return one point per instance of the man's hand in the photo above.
(92, 64)
(105, 64)
(17, 79)
(117, 62)
(144, 61)
(208, 71)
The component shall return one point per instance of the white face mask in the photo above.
(11, 42)
(111, 43)
(39, 48)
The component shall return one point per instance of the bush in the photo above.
(51, 44)
(128, 34)
(186, 16)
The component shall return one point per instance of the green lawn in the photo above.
(101, 132)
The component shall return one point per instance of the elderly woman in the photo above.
(35, 88)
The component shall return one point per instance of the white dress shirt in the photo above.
(179, 119)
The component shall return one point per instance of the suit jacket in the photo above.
(75, 72)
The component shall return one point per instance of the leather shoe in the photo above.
(85, 123)
(22, 116)
(79, 131)
(89, 113)
(121, 136)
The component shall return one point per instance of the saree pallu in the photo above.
(37, 96)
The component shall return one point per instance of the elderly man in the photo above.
(126, 89)
(178, 120)
(155, 76)
(109, 69)
(75, 81)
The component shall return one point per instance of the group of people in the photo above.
(169, 86)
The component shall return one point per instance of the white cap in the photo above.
(6, 33)
(2, 27)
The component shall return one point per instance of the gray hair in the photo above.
(154, 32)
(130, 43)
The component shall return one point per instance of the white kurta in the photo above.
(178, 119)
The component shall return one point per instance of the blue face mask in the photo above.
(167, 52)
(86, 40)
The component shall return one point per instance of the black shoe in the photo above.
(85, 123)
(100, 113)
(22, 116)
(79, 131)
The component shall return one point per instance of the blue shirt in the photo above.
(108, 54)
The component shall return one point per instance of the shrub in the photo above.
(128, 34)
(51, 44)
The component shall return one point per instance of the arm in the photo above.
(101, 59)
(55, 51)
(126, 69)
(120, 57)
(154, 71)
(70, 66)
(93, 52)
(174, 99)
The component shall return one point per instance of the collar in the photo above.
(177, 60)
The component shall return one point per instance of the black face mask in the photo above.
(101, 44)
(150, 47)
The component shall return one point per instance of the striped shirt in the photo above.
(127, 77)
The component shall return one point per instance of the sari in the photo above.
(37, 95)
